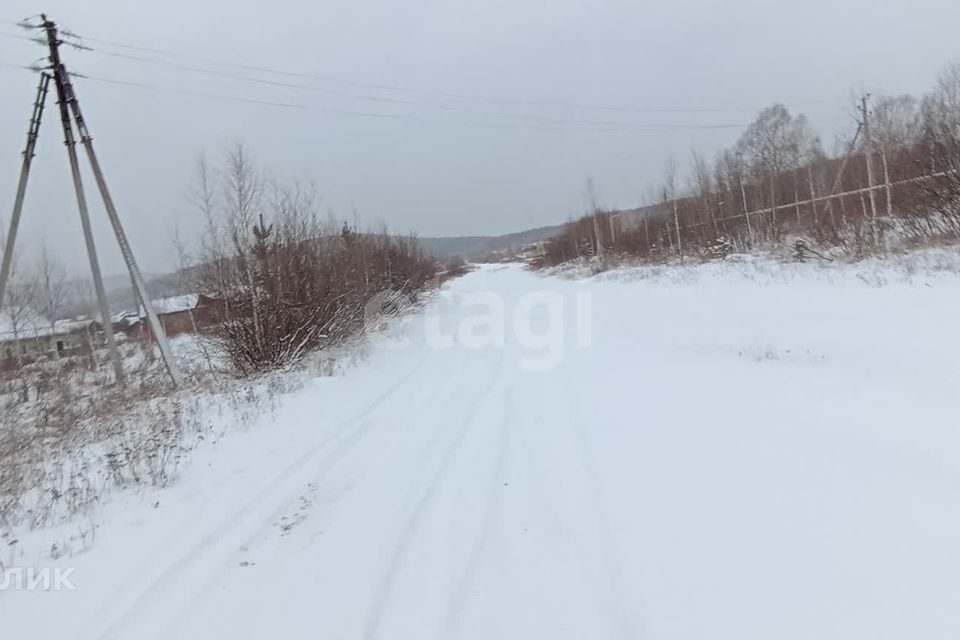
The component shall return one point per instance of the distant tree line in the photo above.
(776, 185)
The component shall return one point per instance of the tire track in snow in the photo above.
(348, 433)
(339, 451)
(229, 564)
(491, 518)
(533, 472)
(623, 626)
(384, 590)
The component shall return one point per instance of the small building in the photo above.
(32, 336)
(189, 313)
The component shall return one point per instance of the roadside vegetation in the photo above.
(294, 289)
(290, 280)
(892, 186)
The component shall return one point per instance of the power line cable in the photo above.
(72, 39)
(77, 41)
(559, 122)
(20, 36)
(409, 90)
(388, 116)
(395, 87)
(290, 85)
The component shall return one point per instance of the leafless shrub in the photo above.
(940, 145)
(290, 281)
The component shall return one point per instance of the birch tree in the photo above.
(940, 142)
(51, 286)
(776, 143)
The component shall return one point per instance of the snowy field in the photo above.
(745, 451)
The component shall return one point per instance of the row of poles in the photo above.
(70, 116)
(863, 131)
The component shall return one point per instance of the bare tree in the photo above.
(594, 211)
(940, 140)
(701, 183)
(896, 122)
(51, 286)
(895, 127)
(775, 143)
(243, 194)
(670, 197)
(19, 307)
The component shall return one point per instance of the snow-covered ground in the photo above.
(730, 452)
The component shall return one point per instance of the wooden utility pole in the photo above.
(838, 183)
(646, 231)
(813, 193)
(743, 196)
(868, 152)
(886, 181)
(676, 222)
(796, 194)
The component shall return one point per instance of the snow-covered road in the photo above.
(655, 460)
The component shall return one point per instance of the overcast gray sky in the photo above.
(512, 155)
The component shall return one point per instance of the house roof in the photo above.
(175, 304)
(33, 324)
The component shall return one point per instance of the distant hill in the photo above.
(119, 292)
(470, 248)
(475, 247)
(120, 297)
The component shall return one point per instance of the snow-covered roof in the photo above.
(33, 324)
(175, 303)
